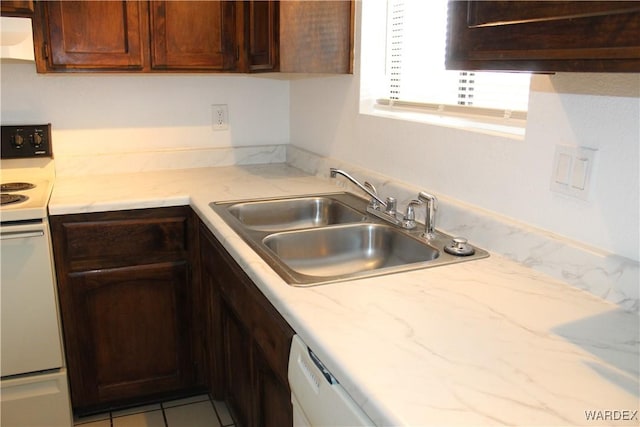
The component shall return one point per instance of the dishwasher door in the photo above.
(317, 397)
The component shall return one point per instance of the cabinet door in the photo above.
(126, 332)
(316, 36)
(94, 35)
(262, 34)
(273, 406)
(195, 35)
(211, 321)
(544, 36)
(238, 367)
(256, 342)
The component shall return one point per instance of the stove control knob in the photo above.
(18, 140)
(37, 139)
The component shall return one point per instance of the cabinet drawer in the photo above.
(129, 237)
(107, 240)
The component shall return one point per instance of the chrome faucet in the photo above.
(375, 204)
(367, 187)
(390, 214)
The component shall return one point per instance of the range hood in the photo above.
(16, 39)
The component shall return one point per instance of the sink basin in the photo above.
(291, 214)
(318, 239)
(347, 249)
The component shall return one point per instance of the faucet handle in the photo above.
(409, 221)
(370, 187)
(373, 202)
(410, 213)
(392, 203)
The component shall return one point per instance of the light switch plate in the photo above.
(572, 170)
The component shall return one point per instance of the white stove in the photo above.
(24, 199)
(26, 172)
(33, 379)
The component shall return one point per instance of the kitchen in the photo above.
(123, 124)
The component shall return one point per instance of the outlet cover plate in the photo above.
(219, 117)
(572, 171)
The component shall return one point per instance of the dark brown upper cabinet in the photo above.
(299, 36)
(261, 35)
(192, 35)
(544, 36)
(18, 8)
(316, 36)
(195, 36)
(90, 35)
(135, 36)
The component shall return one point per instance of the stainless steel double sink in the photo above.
(325, 238)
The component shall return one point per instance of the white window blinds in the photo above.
(416, 36)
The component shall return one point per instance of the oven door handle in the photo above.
(21, 234)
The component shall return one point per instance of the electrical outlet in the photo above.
(220, 117)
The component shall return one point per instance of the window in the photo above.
(414, 76)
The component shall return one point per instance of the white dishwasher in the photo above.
(317, 397)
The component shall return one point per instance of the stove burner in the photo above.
(8, 199)
(16, 186)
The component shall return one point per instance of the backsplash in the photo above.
(109, 163)
(611, 277)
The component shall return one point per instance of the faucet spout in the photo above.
(366, 188)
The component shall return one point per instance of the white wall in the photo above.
(140, 113)
(97, 113)
(503, 175)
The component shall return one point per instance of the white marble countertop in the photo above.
(483, 342)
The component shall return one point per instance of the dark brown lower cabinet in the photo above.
(274, 395)
(255, 341)
(237, 367)
(153, 306)
(124, 284)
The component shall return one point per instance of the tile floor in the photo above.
(197, 411)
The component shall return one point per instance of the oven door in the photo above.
(29, 318)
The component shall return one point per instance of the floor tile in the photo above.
(100, 423)
(136, 410)
(91, 418)
(143, 419)
(199, 414)
(185, 401)
(223, 412)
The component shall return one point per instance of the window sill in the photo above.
(505, 127)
